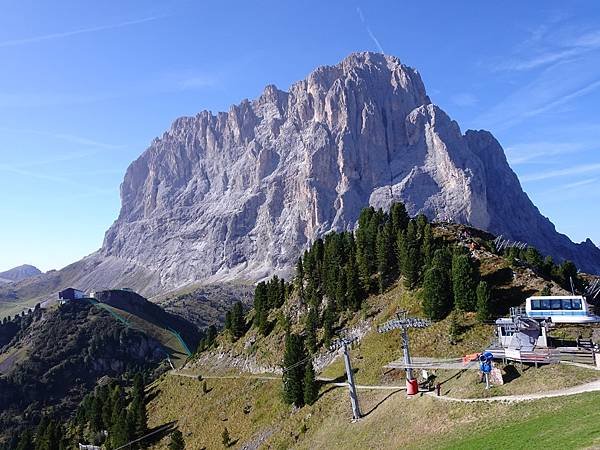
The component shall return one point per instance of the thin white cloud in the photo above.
(162, 83)
(369, 32)
(63, 34)
(550, 44)
(66, 137)
(464, 99)
(555, 86)
(82, 190)
(580, 183)
(562, 99)
(576, 190)
(575, 170)
(540, 151)
(85, 141)
(360, 14)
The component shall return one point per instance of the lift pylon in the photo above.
(343, 343)
(403, 322)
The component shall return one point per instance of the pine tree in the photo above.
(437, 293)
(225, 438)
(119, 431)
(386, 258)
(442, 259)
(311, 389)
(401, 250)
(299, 279)
(533, 258)
(312, 323)
(399, 217)
(228, 321)
(48, 435)
(25, 441)
(409, 255)
(454, 329)
(261, 307)
(365, 246)
(211, 335)
(238, 324)
(328, 321)
(547, 290)
(341, 301)
(333, 260)
(99, 414)
(567, 272)
(464, 282)
(483, 301)
(139, 417)
(427, 246)
(177, 442)
(548, 266)
(293, 370)
(421, 222)
(353, 288)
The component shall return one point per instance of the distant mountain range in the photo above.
(19, 273)
(238, 195)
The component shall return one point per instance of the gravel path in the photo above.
(593, 386)
(574, 390)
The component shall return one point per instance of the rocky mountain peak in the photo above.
(19, 273)
(239, 194)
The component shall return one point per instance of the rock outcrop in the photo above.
(19, 273)
(239, 194)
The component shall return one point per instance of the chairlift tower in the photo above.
(343, 343)
(403, 322)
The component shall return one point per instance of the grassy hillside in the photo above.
(169, 341)
(253, 411)
(256, 417)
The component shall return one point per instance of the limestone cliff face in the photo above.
(240, 194)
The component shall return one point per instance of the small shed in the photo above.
(71, 294)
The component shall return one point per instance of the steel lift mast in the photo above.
(343, 343)
(403, 322)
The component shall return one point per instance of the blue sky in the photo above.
(85, 87)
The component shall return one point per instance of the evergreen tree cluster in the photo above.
(235, 323)
(561, 273)
(113, 410)
(49, 435)
(451, 281)
(111, 416)
(208, 340)
(299, 383)
(267, 296)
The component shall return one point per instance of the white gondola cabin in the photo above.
(560, 309)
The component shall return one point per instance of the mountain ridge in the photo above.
(19, 273)
(362, 131)
(238, 195)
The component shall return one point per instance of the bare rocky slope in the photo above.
(237, 195)
(18, 273)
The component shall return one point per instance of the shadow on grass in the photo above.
(329, 389)
(510, 373)
(156, 435)
(456, 375)
(154, 392)
(382, 401)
